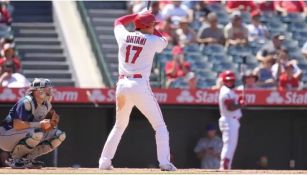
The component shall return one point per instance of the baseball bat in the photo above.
(243, 69)
(148, 4)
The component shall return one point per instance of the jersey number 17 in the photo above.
(137, 49)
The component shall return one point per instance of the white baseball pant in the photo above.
(130, 92)
(230, 134)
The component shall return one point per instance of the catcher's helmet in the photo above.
(144, 20)
(40, 83)
(227, 76)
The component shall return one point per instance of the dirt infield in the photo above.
(52, 170)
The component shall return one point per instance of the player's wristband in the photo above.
(34, 124)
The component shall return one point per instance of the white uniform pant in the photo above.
(230, 134)
(137, 92)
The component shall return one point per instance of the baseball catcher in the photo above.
(29, 130)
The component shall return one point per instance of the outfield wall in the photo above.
(279, 133)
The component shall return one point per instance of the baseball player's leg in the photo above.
(20, 143)
(123, 110)
(233, 139)
(225, 157)
(51, 141)
(147, 104)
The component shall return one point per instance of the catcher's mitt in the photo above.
(54, 119)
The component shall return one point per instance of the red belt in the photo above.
(130, 76)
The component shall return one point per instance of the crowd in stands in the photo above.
(264, 42)
(10, 65)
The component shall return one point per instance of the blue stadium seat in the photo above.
(297, 27)
(215, 7)
(213, 49)
(223, 18)
(293, 18)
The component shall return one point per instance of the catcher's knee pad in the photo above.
(27, 144)
(33, 138)
(60, 136)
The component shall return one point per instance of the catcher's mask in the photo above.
(43, 86)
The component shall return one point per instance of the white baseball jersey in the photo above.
(228, 94)
(136, 51)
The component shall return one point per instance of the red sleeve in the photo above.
(5, 14)
(168, 67)
(302, 5)
(282, 82)
(124, 20)
(1, 61)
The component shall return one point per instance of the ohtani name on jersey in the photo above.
(136, 40)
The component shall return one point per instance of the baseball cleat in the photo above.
(105, 164)
(106, 167)
(18, 163)
(168, 167)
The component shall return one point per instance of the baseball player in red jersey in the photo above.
(135, 57)
(230, 110)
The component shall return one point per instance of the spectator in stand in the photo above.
(137, 6)
(155, 10)
(212, 34)
(286, 7)
(304, 49)
(288, 80)
(5, 14)
(16, 80)
(185, 34)
(178, 67)
(266, 6)
(175, 11)
(201, 11)
(249, 81)
(256, 31)
(9, 68)
(280, 66)
(264, 75)
(247, 6)
(269, 50)
(208, 149)
(235, 32)
(9, 59)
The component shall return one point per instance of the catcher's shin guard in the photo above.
(26, 145)
(47, 146)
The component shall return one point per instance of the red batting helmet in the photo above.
(227, 76)
(144, 20)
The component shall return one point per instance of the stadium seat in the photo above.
(246, 17)
(297, 27)
(223, 18)
(293, 18)
(215, 7)
(213, 49)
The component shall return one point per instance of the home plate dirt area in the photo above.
(52, 170)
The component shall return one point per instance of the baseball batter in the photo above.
(135, 57)
(26, 133)
(230, 110)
